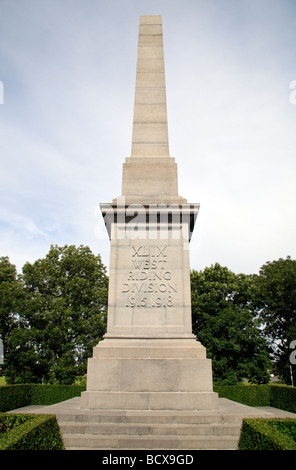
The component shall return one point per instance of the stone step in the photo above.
(151, 429)
(147, 417)
(141, 429)
(101, 441)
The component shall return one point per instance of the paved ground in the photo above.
(225, 407)
(229, 413)
(277, 413)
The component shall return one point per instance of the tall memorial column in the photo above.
(149, 359)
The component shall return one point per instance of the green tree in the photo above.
(276, 298)
(63, 316)
(10, 297)
(224, 322)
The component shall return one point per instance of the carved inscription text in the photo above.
(149, 282)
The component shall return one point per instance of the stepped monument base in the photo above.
(149, 374)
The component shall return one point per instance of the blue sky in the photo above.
(68, 74)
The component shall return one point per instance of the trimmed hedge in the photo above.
(277, 396)
(18, 396)
(268, 434)
(251, 395)
(29, 432)
(14, 396)
(50, 394)
(283, 398)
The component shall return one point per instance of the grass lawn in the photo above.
(2, 381)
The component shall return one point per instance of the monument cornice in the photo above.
(157, 216)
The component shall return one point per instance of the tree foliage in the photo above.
(63, 316)
(53, 314)
(224, 322)
(11, 294)
(276, 299)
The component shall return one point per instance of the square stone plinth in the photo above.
(146, 374)
(149, 279)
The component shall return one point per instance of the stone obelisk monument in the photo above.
(149, 359)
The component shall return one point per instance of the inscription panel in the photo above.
(150, 282)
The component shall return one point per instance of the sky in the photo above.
(67, 82)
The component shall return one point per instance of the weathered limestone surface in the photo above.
(150, 128)
(149, 359)
(150, 174)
